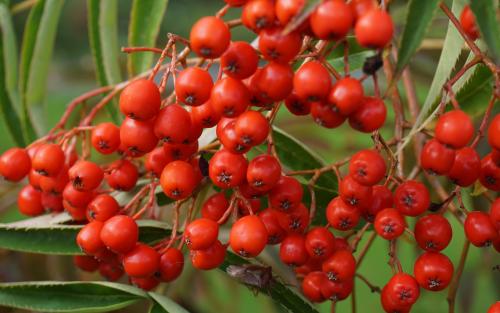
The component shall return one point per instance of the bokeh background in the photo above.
(72, 73)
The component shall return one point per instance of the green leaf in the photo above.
(69, 296)
(38, 44)
(489, 25)
(145, 21)
(475, 95)
(356, 60)
(418, 19)
(162, 304)
(277, 290)
(103, 36)
(9, 97)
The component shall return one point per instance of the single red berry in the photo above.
(193, 86)
(231, 141)
(433, 232)
(495, 213)
(35, 179)
(468, 23)
(88, 238)
(374, 29)
(466, 167)
(15, 164)
(433, 271)
(320, 243)
(140, 100)
(381, 198)
(145, 283)
(494, 133)
(370, 116)
(311, 286)
(479, 229)
(326, 115)
(54, 184)
(205, 115)
(110, 271)
(120, 233)
(29, 201)
(288, 9)
(171, 264)
(235, 3)
(490, 174)
(248, 236)
(436, 157)
(209, 258)
(495, 156)
(137, 137)
(354, 193)
(297, 106)
(342, 216)
(331, 10)
(337, 290)
(52, 202)
(347, 95)
(122, 175)
(360, 7)
(389, 223)
(227, 170)
(270, 218)
(156, 161)
(494, 308)
(263, 172)
(412, 198)
(277, 46)
(312, 265)
(403, 289)
(215, 207)
(341, 266)
(141, 261)
(367, 167)
(209, 37)
(240, 60)
(48, 160)
(86, 263)
(178, 180)
(77, 198)
(201, 234)
(85, 175)
(286, 195)
(252, 128)
(102, 208)
(295, 220)
(390, 303)
(106, 138)
(229, 97)
(77, 213)
(455, 128)
(293, 250)
(312, 82)
(258, 14)
(173, 124)
(179, 151)
(274, 81)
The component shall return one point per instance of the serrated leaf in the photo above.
(489, 25)
(162, 304)
(475, 95)
(418, 20)
(145, 21)
(69, 296)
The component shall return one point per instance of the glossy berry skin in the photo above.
(204, 115)
(293, 250)
(270, 217)
(145, 283)
(412, 198)
(495, 213)
(381, 198)
(274, 81)
(173, 124)
(178, 180)
(466, 167)
(137, 137)
(297, 106)
(248, 236)
(295, 220)
(286, 195)
(258, 15)
(209, 258)
(15, 164)
(122, 175)
(374, 29)
(52, 202)
(370, 116)
(342, 216)
(479, 229)
(354, 193)
(231, 141)
(490, 174)
(214, 207)
(110, 271)
(86, 263)
(278, 47)
(193, 86)
(403, 289)
(311, 286)
(156, 161)
(326, 115)
(331, 10)
(337, 290)
(29, 201)
(235, 3)
(263, 172)
(48, 160)
(201, 234)
(88, 238)
(494, 308)
(436, 157)
(229, 97)
(433, 232)
(454, 128)
(287, 9)
(85, 175)
(240, 60)
(105, 138)
(347, 95)
(320, 243)
(312, 82)
(390, 303)
(227, 170)
(140, 100)
(53, 184)
(251, 128)
(341, 266)
(77, 198)
(360, 7)
(468, 23)
(171, 264)
(389, 223)
(495, 156)
(209, 37)
(102, 208)
(141, 261)
(433, 271)
(367, 167)
(494, 133)
(120, 234)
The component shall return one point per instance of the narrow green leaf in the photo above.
(69, 296)
(356, 60)
(145, 21)
(418, 20)
(475, 95)
(489, 25)
(162, 304)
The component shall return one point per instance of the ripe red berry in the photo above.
(320, 243)
(490, 174)
(122, 175)
(295, 220)
(495, 213)
(235, 3)
(331, 10)
(88, 238)
(15, 164)
(201, 234)
(120, 234)
(215, 207)
(77, 213)
(52, 202)
(209, 37)
(77, 198)
(278, 47)
(106, 138)
(437, 157)
(287, 9)
(494, 133)
(370, 116)
(231, 141)
(209, 258)
(137, 137)
(360, 7)
(367, 167)
(494, 308)
(102, 208)
(252, 128)
(389, 302)
(86, 263)
(455, 128)
(85, 175)
(240, 60)
(53, 184)
(341, 215)
(205, 115)
(337, 290)
(141, 261)
(381, 198)
(389, 223)
(48, 160)
(326, 115)
(270, 218)
(433, 232)
(178, 180)
(433, 271)
(274, 81)
(227, 170)
(354, 193)
(412, 198)
(479, 229)
(297, 106)
(312, 82)
(468, 23)
(171, 264)
(347, 95)
(286, 195)
(248, 236)
(403, 289)
(229, 97)
(495, 156)
(341, 266)
(374, 29)
(293, 250)
(110, 271)
(258, 14)
(145, 283)
(29, 201)
(263, 172)
(173, 124)
(140, 100)
(311, 286)
(156, 161)
(193, 86)
(466, 167)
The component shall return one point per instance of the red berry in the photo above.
(320, 243)
(86, 263)
(479, 229)
(102, 208)
(48, 160)
(286, 195)
(209, 37)
(293, 250)
(235, 3)
(374, 29)
(433, 232)
(178, 180)
(370, 116)
(347, 95)
(106, 138)
(495, 213)
(341, 215)
(110, 271)
(381, 198)
(145, 283)
(337, 290)
(274, 81)
(360, 7)
(311, 286)
(120, 234)
(215, 207)
(248, 236)
(227, 170)
(494, 308)
(466, 167)
(251, 128)
(171, 264)
(88, 238)
(201, 234)
(490, 174)
(240, 60)
(287, 9)
(229, 97)
(403, 289)
(258, 14)
(494, 133)
(468, 23)
(295, 220)
(389, 224)
(263, 172)
(436, 157)
(367, 167)
(15, 164)
(29, 201)
(433, 271)
(53, 184)
(231, 141)
(325, 13)
(278, 47)
(77, 198)
(455, 129)
(495, 156)
(122, 175)
(140, 100)
(173, 124)
(141, 261)
(137, 137)
(390, 303)
(297, 106)
(52, 202)
(209, 258)
(270, 218)
(412, 198)
(341, 266)
(193, 86)
(354, 193)
(326, 115)
(205, 115)
(85, 175)
(312, 82)
(156, 161)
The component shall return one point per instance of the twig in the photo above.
(452, 292)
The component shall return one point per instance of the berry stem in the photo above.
(452, 292)
(372, 287)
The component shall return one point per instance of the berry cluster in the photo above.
(158, 140)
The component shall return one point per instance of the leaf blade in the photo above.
(488, 24)
(165, 304)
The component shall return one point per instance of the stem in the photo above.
(452, 292)
(359, 236)
(365, 249)
(372, 287)
(353, 297)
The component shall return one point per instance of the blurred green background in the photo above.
(72, 73)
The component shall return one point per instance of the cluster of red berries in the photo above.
(159, 140)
